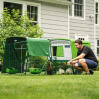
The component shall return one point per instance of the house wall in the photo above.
(54, 20)
(97, 25)
(97, 37)
(84, 26)
(1, 7)
(97, 32)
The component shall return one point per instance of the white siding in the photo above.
(97, 32)
(84, 26)
(1, 7)
(54, 20)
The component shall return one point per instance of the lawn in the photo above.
(49, 87)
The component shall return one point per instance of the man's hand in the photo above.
(73, 62)
(69, 62)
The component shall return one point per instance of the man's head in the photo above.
(78, 44)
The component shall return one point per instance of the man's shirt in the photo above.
(88, 53)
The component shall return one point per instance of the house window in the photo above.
(82, 37)
(11, 6)
(32, 12)
(97, 47)
(78, 8)
(97, 13)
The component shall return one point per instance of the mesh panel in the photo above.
(13, 57)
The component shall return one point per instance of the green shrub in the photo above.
(11, 70)
(35, 70)
(14, 24)
(57, 65)
(37, 62)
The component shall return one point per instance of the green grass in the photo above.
(49, 87)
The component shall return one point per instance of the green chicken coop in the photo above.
(18, 50)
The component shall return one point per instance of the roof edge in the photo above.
(59, 2)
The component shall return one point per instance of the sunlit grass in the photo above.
(49, 87)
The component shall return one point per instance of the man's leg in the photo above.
(77, 67)
(84, 65)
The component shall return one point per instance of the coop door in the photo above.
(67, 52)
(61, 50)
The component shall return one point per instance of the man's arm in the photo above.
(82, 55)
(76, 59)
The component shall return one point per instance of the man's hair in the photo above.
(78, 41)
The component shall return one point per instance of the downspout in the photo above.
(94, 30)
(68, 24)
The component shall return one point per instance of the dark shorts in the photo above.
(91, 64)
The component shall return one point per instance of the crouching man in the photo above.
(85, 59)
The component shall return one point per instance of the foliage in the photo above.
(37, 61)
(14, 24)
(98, 65)
(57, 65)
(42, 62)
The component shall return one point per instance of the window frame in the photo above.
(24, 7)
(72, 12)
(78, 12)
(31, 14)
(97, 47)
(38, 5)
(82, 37)
(15, 4)
(97, 13)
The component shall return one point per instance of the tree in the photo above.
(14, 24)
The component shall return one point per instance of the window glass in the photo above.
(78, 8)
(98, 43)
(97, 13)
(11, 6)
(97, 51)
(98, 47)
(32, 13)
(96, 7)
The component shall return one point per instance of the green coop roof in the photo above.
(38, 46)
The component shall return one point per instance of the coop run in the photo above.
(22, 54)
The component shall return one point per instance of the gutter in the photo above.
(60, 2)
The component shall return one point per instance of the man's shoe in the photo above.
(88, 73)
(91, 72)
